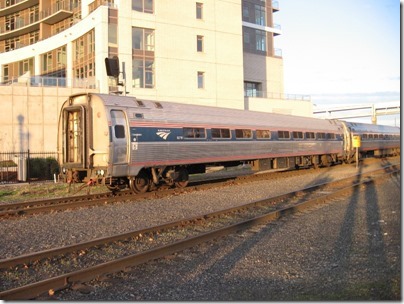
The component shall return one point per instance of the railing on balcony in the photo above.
(8, 3)
(28, 18)
(43, 81)
(270, 95)
(275, 5)
(278, 52)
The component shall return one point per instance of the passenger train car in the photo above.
(141, 144)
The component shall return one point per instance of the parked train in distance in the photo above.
(140, 144)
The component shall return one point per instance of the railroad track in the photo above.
(89, 260)
(74, 202)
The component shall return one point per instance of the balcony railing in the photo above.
(28, 19)
(270, 95)
(42, 81)
(278, 52)
(275, 5)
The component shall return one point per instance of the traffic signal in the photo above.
(112, 65)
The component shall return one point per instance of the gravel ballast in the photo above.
(345, 250)
(306, 256)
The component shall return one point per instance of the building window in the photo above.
(246, 38)
(201, 80)
(83, 57)
(144, 6)
(199, 10)
(252, 89)
(143, 73)
(47, 62)
(260, 15)
(246, 12)
(33, 37)
(199, 43)
(16, 69)
(143, 39)
(142, 58)
(54, 63)
(260, 40)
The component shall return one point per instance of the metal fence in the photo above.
(28, 166)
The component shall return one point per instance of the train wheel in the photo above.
(139, 183)
(182, 180)
(113, 188)
(314, 162)
(326, 160)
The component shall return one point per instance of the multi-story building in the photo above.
(210, 52)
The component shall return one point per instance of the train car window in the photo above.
(119, 131)
(297, 135)
(370, 136)
(321, 135)
(364, 136)
(263, 134)
(243, 133)
(138, 115)
(220, 133)
(310, 135)
(376, 136)
(330, 136)
(283, 135)
(194, 133)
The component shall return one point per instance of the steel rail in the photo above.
(59, 282)
(63, 203)
(58, 204)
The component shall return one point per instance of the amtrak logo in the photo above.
(163, 134)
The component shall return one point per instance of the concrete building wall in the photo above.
(280, 106)
(29, 117)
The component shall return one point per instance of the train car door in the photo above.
(119, 139)
(74, 139)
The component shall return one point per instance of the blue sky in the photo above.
(341, 52)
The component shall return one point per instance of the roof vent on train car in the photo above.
(140, 103)
(158, 105)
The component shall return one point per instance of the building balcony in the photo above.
(271, 95)
(8, 7)
(43, 81)
(275, 29)
(275, 6)
(289, 104)
(31, 22)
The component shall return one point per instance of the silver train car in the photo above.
(141, 144)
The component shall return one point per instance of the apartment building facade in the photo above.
(210, 52)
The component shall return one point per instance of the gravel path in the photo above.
(346, 250)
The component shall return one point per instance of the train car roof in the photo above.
(197, 114)
(371, 128)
